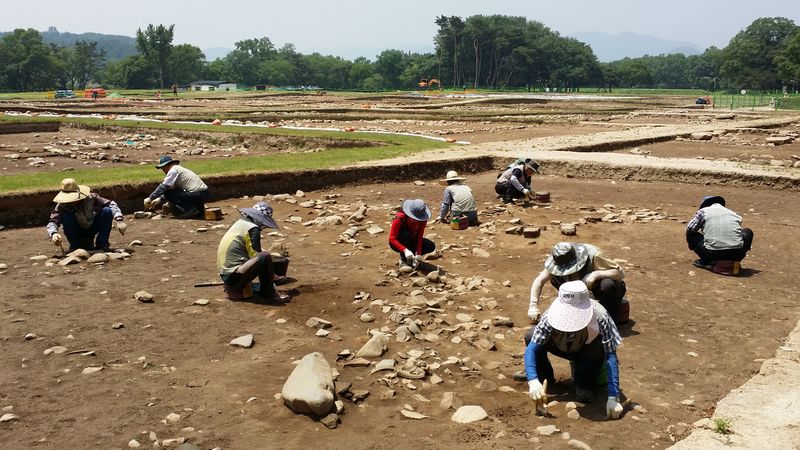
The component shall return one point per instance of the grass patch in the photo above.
(723, 426)
(137, 174)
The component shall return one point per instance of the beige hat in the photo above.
(71, 192)
(451, 176)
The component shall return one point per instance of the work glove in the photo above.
(536, 391)
(613, 408)
(533, 313)
(121, 227)
(148, 203)
(56, 238)
(408, 256)
(526, 192)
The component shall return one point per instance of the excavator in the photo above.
(426, 84)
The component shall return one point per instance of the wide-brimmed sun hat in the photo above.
(453, 176)
(417, 209)
(260, 214)
(533, 165)
(709, 200)
(572, 310)
(71, 191)
(566, 258)
(166, 160)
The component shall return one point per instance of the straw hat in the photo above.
(71, 192)
(566, 258)
(572, 310)
(260, 214)
(417, 209)
(453, 176)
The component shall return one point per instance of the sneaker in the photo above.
(702, 264)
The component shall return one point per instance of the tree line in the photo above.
(480, 52)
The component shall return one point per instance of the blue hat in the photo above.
(260, 214)
(417, 210)
(709, 200)
(166, 160)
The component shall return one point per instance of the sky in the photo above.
(351, 28)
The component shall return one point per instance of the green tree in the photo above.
(390, 65)
(26, 62)
(155, 44)
(787, 63)
(361, 70)
(86, 61)
(242, 64)
(749, 58)
(187, 64)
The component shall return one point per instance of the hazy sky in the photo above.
(349, 28)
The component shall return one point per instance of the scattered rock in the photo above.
(468, 414)
(419, 183)
(309, 389)
(517, 229)
(8, 418)
(97, 258)
(375, 347)
(133, 443)
(479, 252)
(316, 322)
(135, 243)
(91, 369)
(331, 421)
(173, 417)
(367, 317)
(701, 136)
(568, 229)
(118, 325)
(69, 260)
(142, 215)
(144, 297)
(79, 253)
(39, 258)
(374, 230)
(412, 414)
(30, 336)
(201, 302)
(245, 341)
(574, 443)
(531, 232)
(547, 430)
(779, 140)
(57, 350)
(573, 414)
(487, 386)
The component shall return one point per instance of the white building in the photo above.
(211, 86)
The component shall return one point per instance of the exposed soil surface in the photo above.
(173, 357)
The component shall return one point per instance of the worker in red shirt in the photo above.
(406, 235)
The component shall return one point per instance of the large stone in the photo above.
(143, 296)
(309, 389)
(779, 140)
(375, 347)
(79, 253)
(468, 414)
(245, 341)
(701, 136)
(98, 258)
(568, 229)
(531, 232)
(69, 260)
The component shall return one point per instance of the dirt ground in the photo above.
(173, 357)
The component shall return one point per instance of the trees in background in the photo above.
(482, 51)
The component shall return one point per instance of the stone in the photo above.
(299, 194)
(330, 421)
(547, 430)
(98, 258)
(8, 418)
(91, 369)
(433, 276)
(705, 422)
(173, 417)
(133, 443)
(568, 229)
(245, 341)
(69, 260)
(501, 321)
(39, 258)
(201, 302)
(188, 446)
(118, 325)
(3, 266)
(469, 414)
(412, 414)
(419, 183)
(531, 232)
(462, 317)
(374, 230)
(701, 136)
(580, 445)
(517, 229)
(570, 406)
(57, 350)
(779, 140)
(144, 297)
(322, 333)
(309, 388)
(450, 401)
(135, 243)
(487, 386)
(142, 215)
(573, 414)
(316, 322)
(79, 253)
(30, 336)
(687, 402)
(385, 364)
(367, 317)
(479, 252)
(375, 347)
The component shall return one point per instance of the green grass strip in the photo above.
(283, 162)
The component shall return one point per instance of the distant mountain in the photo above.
(116, 47)
(612, 47)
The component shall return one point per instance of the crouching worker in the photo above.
(186, 193)
(86, 217)
(458, 200)
(578, 329)
(716, 235)
(406, 234)
(515, 182)
(239, 256)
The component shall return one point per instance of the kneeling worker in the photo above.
(515, 182)
(86, 217)
(239, 256)
(182, 188)
(715, 233)
(408, 229)
(578, 329)
(458, 200)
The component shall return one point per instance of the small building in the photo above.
(211, 86)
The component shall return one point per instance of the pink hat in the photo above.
(572, 310)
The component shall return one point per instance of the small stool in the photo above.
(238, 294)
(729, 268)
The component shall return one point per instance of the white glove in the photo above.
(56, 238)
(613, 408)
(533, 313)
(526, 192)
(121, 227)
(148, 203)
(408, 256)
(536, 390)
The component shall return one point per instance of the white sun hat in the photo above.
(572, 310)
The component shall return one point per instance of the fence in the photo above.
(749, 101)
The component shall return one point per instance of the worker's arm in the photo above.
(516, 174)
(447, 202)
(254, 235)
(110, 203)
(536, 291)
(167, 184)
(394, 232)
(54, 222)
(698, 222)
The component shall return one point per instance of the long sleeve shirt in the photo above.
(721, 227)
(97, 204)
(458, 197)
(414, 228)
(241, 242)
(516, 176)
(179, 177)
